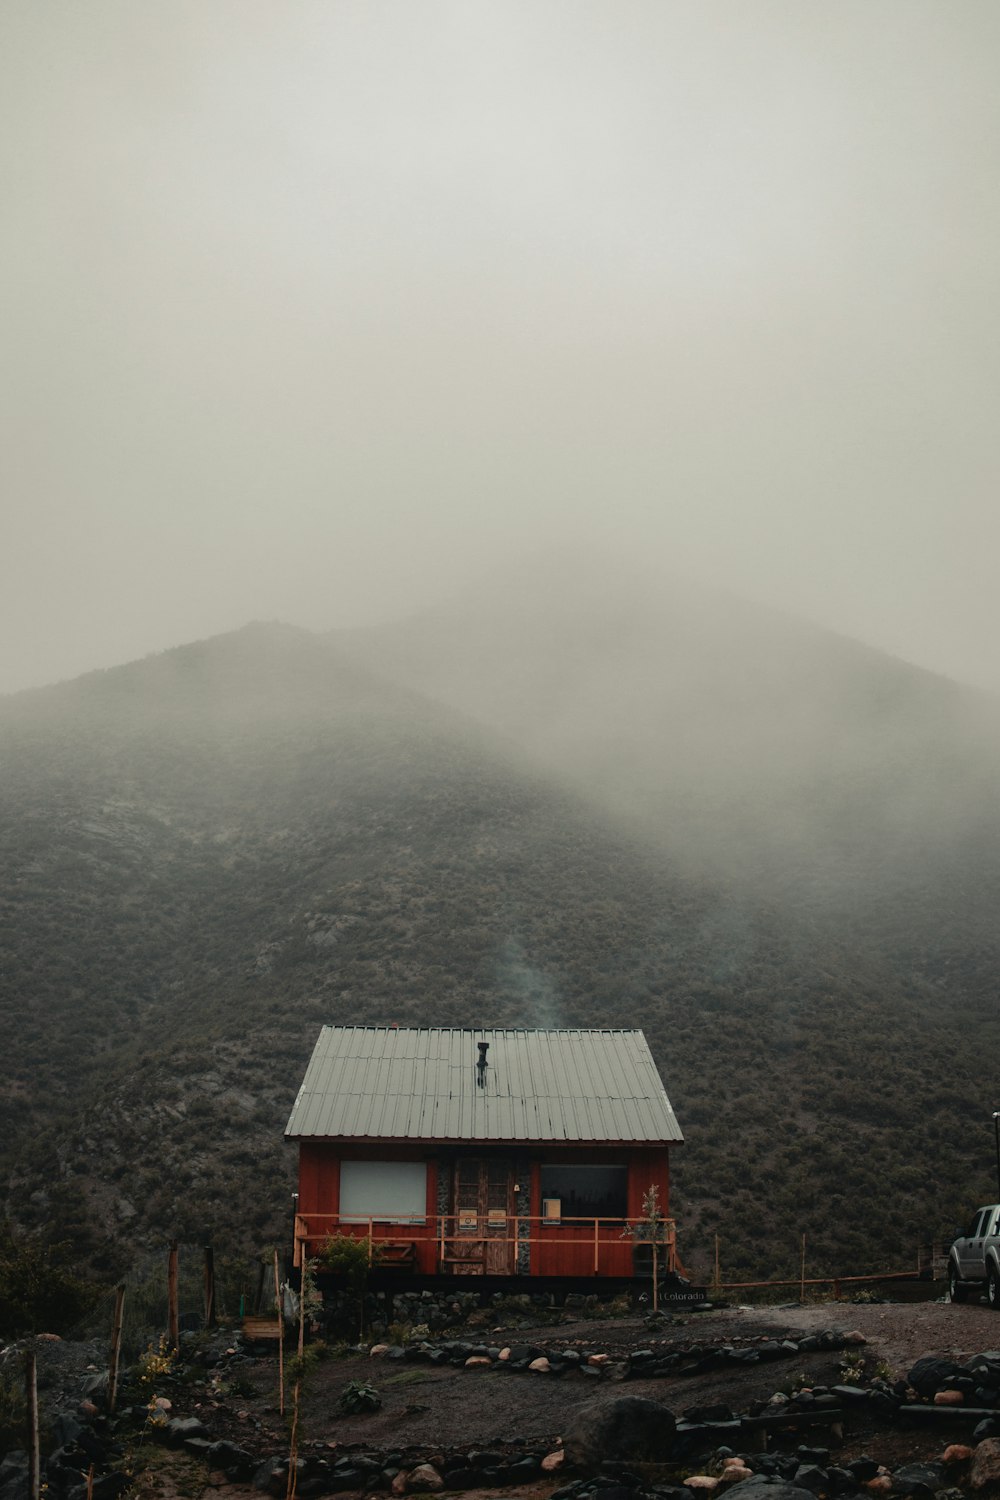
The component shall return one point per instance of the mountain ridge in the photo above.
(207, 858)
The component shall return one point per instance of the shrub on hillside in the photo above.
(39, 1291)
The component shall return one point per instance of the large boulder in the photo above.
(984, 1474)
(765, 1487)
(629, 1427)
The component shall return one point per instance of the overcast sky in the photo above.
(309, 308)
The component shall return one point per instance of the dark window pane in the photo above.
(587, 1192)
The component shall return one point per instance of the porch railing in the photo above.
(389, 1233)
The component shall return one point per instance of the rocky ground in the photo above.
(826, 1386)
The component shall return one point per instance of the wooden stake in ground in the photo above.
(173, 1333)
(293, 1444)
(209, 1287)
(293, 1447)
(281, 1337)
(31, 1423)
(116, 1347)
(802, 1272)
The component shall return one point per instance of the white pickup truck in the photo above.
(974, 1258)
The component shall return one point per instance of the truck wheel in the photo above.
(993, 1287)
(957, 1292)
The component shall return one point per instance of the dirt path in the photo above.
(425, 1406)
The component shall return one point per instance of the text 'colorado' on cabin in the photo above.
(500, 1153)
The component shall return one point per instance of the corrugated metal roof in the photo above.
(422, 1084)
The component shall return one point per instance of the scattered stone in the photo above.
(812, 1478)
(702, 1484)
(477, 1360)
(271, 1475)
(504, 1353)
(949, 1398)
(182, 1428)
(918, 1481)
(598, 1359)
(378, 1349)
(423, 1480)
(880, 1485)
(958, 1453)
(554, 1460)
(931, 1374)
(541, 1365)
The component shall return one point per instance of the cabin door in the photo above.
(484, 1217)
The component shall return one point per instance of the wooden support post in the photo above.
(303, 1275)
(173, 1330)
(209, 1287)
(293, 1442)
(802, 1272)
(281, 1337)
(656, 1268)
(116, 1347)
(31, 1423)
(597, 1245)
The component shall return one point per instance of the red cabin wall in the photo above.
(568, 1249)
(556, 1250)
(319, 1195)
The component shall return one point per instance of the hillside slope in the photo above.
(750, 746)
(206, 855)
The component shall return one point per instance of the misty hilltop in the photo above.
(568, 799)
(737, 738)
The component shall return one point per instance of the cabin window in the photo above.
(393, 1192)
(586, 1192)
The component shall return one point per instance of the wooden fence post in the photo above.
(802, 1272)
(281, 1337)
(31, 1422)
(116, 1347)
(303, 1274)
(173, 1327)
(209, 1287)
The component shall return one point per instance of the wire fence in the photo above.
(209, 1289)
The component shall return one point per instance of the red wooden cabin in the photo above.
(508, 1153)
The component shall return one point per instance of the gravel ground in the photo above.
(427, 1408)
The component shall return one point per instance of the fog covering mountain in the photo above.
(568, 799)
